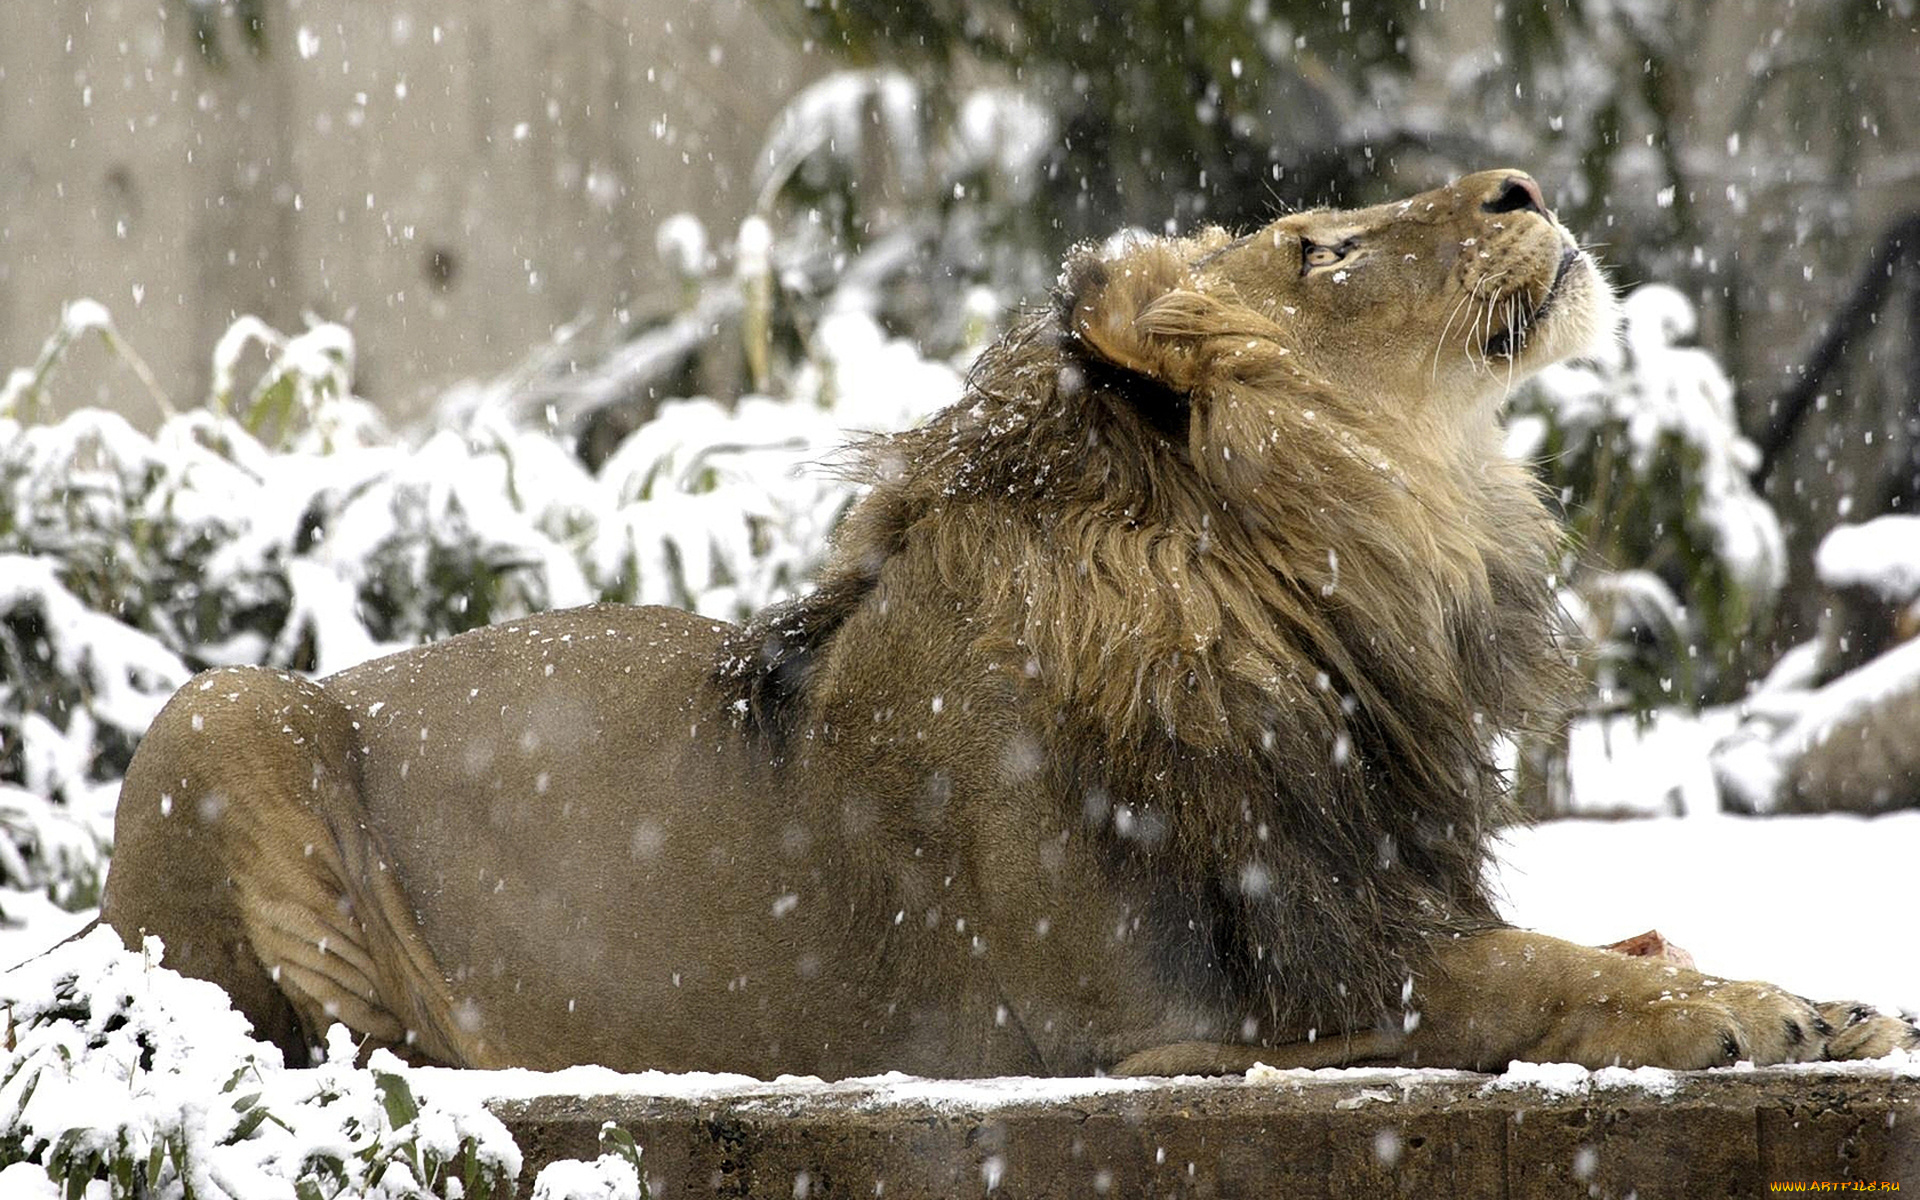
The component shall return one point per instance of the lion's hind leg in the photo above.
(241, 840)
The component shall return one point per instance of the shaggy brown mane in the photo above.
(1278, 637)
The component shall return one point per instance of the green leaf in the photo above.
(327, 1163)
(274, 403)
(63, 1147)
(615, 1140)
(26, 1091)
(246, 1126)
(470, 1176)
(396, 1097)
(122, 1168)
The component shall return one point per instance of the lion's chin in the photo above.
(1577, 318)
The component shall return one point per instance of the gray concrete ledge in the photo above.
(1324, 1133)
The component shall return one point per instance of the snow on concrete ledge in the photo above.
(1535, 1131)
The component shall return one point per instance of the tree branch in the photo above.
(1901, 242)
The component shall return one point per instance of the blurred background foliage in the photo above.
(1224, 112)
(1167, 111)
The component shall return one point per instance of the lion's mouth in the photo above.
(1513, 339)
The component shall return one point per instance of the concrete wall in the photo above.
(453, 180)
(1426, 1134)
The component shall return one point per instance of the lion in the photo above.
(1143, 721)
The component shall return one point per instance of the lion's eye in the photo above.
(1312, 255)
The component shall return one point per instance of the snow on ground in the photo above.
(1619, 765)
(1813, 903)
(1820, 904)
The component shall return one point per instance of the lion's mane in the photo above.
(1274, 638)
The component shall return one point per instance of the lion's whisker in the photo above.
(1513, 352)
(1441, 342)
(1482, 293)
(1483, 330)
(1467, 298)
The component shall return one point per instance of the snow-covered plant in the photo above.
(615, 1175)
(131, 560)
(122, 1078)
(77, 688)
(52, 847)
(1676, 559)
(723, 510)
(471, 527)
(890, 197)
(292, 396)
(24, 392)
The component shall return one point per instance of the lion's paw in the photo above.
(1508, 994)
(1728, 1022)
(1694, 1023)
(1862, 1031)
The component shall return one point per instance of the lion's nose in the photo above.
(1516, 193)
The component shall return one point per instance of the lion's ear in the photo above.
(1217, 374)
(1105, 303)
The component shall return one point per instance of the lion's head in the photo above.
(1431, 307)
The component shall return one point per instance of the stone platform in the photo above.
(1535, 1132)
